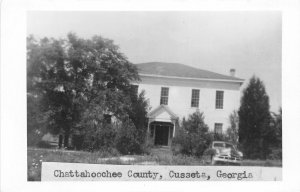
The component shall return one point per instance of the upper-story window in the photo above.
(164, 96)
(219, 99)
(134, 89)
(195, 98)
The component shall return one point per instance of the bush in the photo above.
(100, 139)
(33, 138)
(146, 148)
(276, 154)
(193, 136)
(220, 137)
(44, 144)
(121, 136)
(127, 139)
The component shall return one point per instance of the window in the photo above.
(218, 144)
(195, 98)
(218, 128)
(219, 99)
(134, 89)
(164, 96)
(227, 145)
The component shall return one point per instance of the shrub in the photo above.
(100, 139)
(276, 154)
(232, 131)
(220, 137)
(193, 137)
(146, 148)
(138, 114)
(121, 135)
(127, 138)
(33, 138)
(44, 144)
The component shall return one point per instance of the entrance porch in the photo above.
(161, 126)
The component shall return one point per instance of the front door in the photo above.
(161, 135)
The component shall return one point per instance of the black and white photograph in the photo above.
(148, 96)
(154, 88)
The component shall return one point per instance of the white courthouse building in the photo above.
(175, 91)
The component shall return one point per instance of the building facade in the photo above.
(175, 91)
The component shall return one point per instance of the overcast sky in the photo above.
(250, 42)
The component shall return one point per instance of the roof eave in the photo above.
(191, 78)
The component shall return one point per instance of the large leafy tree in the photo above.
(255, 134)
(78, 80)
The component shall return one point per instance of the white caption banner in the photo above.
(53, 171)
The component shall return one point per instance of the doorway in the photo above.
(161, 135)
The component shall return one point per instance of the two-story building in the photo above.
(175, 91)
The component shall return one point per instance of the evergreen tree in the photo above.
(276, 125)
(255, 135)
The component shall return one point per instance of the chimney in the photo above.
(232, 72)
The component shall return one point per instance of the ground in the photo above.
(158, 156)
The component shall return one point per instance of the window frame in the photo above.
(135, 89)
(216, 126)
(195, 98)
(164, 96)
(219, 101)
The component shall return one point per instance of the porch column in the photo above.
(174, 126)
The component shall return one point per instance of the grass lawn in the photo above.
(262, 163)
(36, 156)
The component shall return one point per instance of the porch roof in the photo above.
(162, 113)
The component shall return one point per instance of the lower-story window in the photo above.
(218, 128)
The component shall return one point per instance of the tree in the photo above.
(276, 125)
(233, 131)
(193, 136)
(78, 80)
(255, 135)
(138, 114)
(36, 121)
(126, 134)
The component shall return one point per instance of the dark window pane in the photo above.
(134, 89)
(219, 99)
(195, 98)
(164, 96)
(218, 144)
(229, 146)
(218, 128)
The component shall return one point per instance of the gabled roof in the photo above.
(161, 109)
(180, 71)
